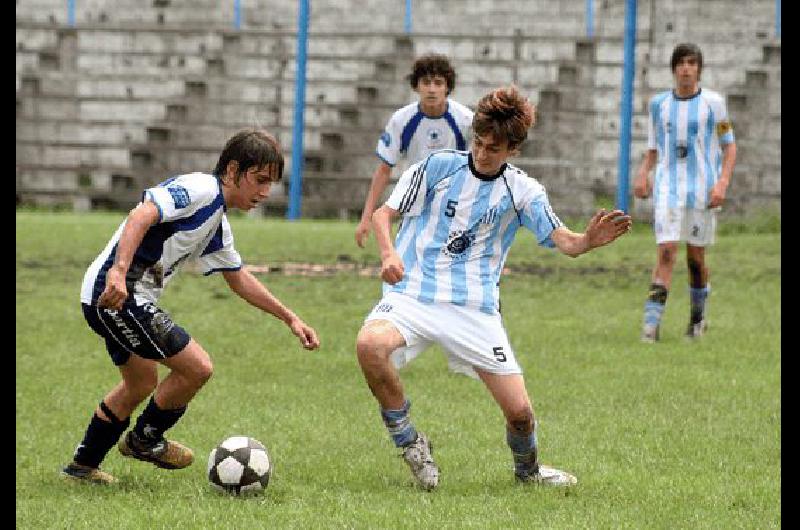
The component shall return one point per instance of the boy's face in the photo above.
(687, 72)
(489, 154)
(254, 186)
(432, 90)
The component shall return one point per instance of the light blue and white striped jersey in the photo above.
(688, 134)
(415, 135)
(192, 226)
(458, 227)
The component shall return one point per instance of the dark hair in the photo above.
(251, 148)
(686, 49)
(506, 114)
(432, 64)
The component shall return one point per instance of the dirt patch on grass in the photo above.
(374, 269)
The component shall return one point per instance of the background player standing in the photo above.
(179, 220)
(461, 211)
(433, 122)
(690, 134)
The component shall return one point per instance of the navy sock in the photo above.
(524, 449)
(698, 302)
(153, 422)
(399, 425)
(100, 437)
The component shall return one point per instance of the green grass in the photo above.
(675, 434)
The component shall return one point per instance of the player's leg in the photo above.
(377, 340)
(112, 417)
(659, 289)
(699, 289)
(190, 369)
(510, 394)
(375, 343)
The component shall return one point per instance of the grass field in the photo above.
(672, 435)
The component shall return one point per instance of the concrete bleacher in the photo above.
(139, 91)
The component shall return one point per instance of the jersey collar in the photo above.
(481, 175)
(687, 98)
(446, 109)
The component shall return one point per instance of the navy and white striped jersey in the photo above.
(192, 226)
(458, 227)
(414, 135)
(688, 134)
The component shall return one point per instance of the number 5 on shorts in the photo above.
(498, 354)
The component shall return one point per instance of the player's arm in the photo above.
(641, 187)
(247, 286)
(721, 187)
(391, 264)
(380, 179)
(140, 219)
(603, 228)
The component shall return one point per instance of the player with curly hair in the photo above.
(460, 213)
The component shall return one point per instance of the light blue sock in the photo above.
(399, 425)
(698, 297)
(653, 312)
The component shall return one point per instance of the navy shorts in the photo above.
(148, 331)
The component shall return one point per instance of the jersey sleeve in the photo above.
(180, 198)
(651, 125)
(388, 148)
(722, 122)
(538, 216)
(408, 196)
(219, 254)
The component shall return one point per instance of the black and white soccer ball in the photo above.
(238, 465)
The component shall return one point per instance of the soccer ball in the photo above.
(239, 464)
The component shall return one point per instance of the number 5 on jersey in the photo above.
(450, 209)
(498, 354)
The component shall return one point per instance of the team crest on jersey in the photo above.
(179, 195)
(386, 138)
(435, 138)
(458, 242)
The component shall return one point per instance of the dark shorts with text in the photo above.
(147, 330)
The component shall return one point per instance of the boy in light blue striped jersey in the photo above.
(691, 138)
(460, 213)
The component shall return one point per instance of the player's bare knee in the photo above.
(204, 371)
(666, 257)
(371, 347)
(520, 419)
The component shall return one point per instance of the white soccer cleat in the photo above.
(650, 333)
(418, 456)
(697, 330)
(549, 476)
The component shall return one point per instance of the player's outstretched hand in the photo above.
(392, 269)
(362, 232)
(605, 227)
(306, 334)
(116, 292)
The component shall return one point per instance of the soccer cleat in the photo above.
(87, 474)
(696, 329)
(418, 456)
(547, 476)
(163, 453)
(650, 333)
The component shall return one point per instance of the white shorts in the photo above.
(696, 227)
(470, 338)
